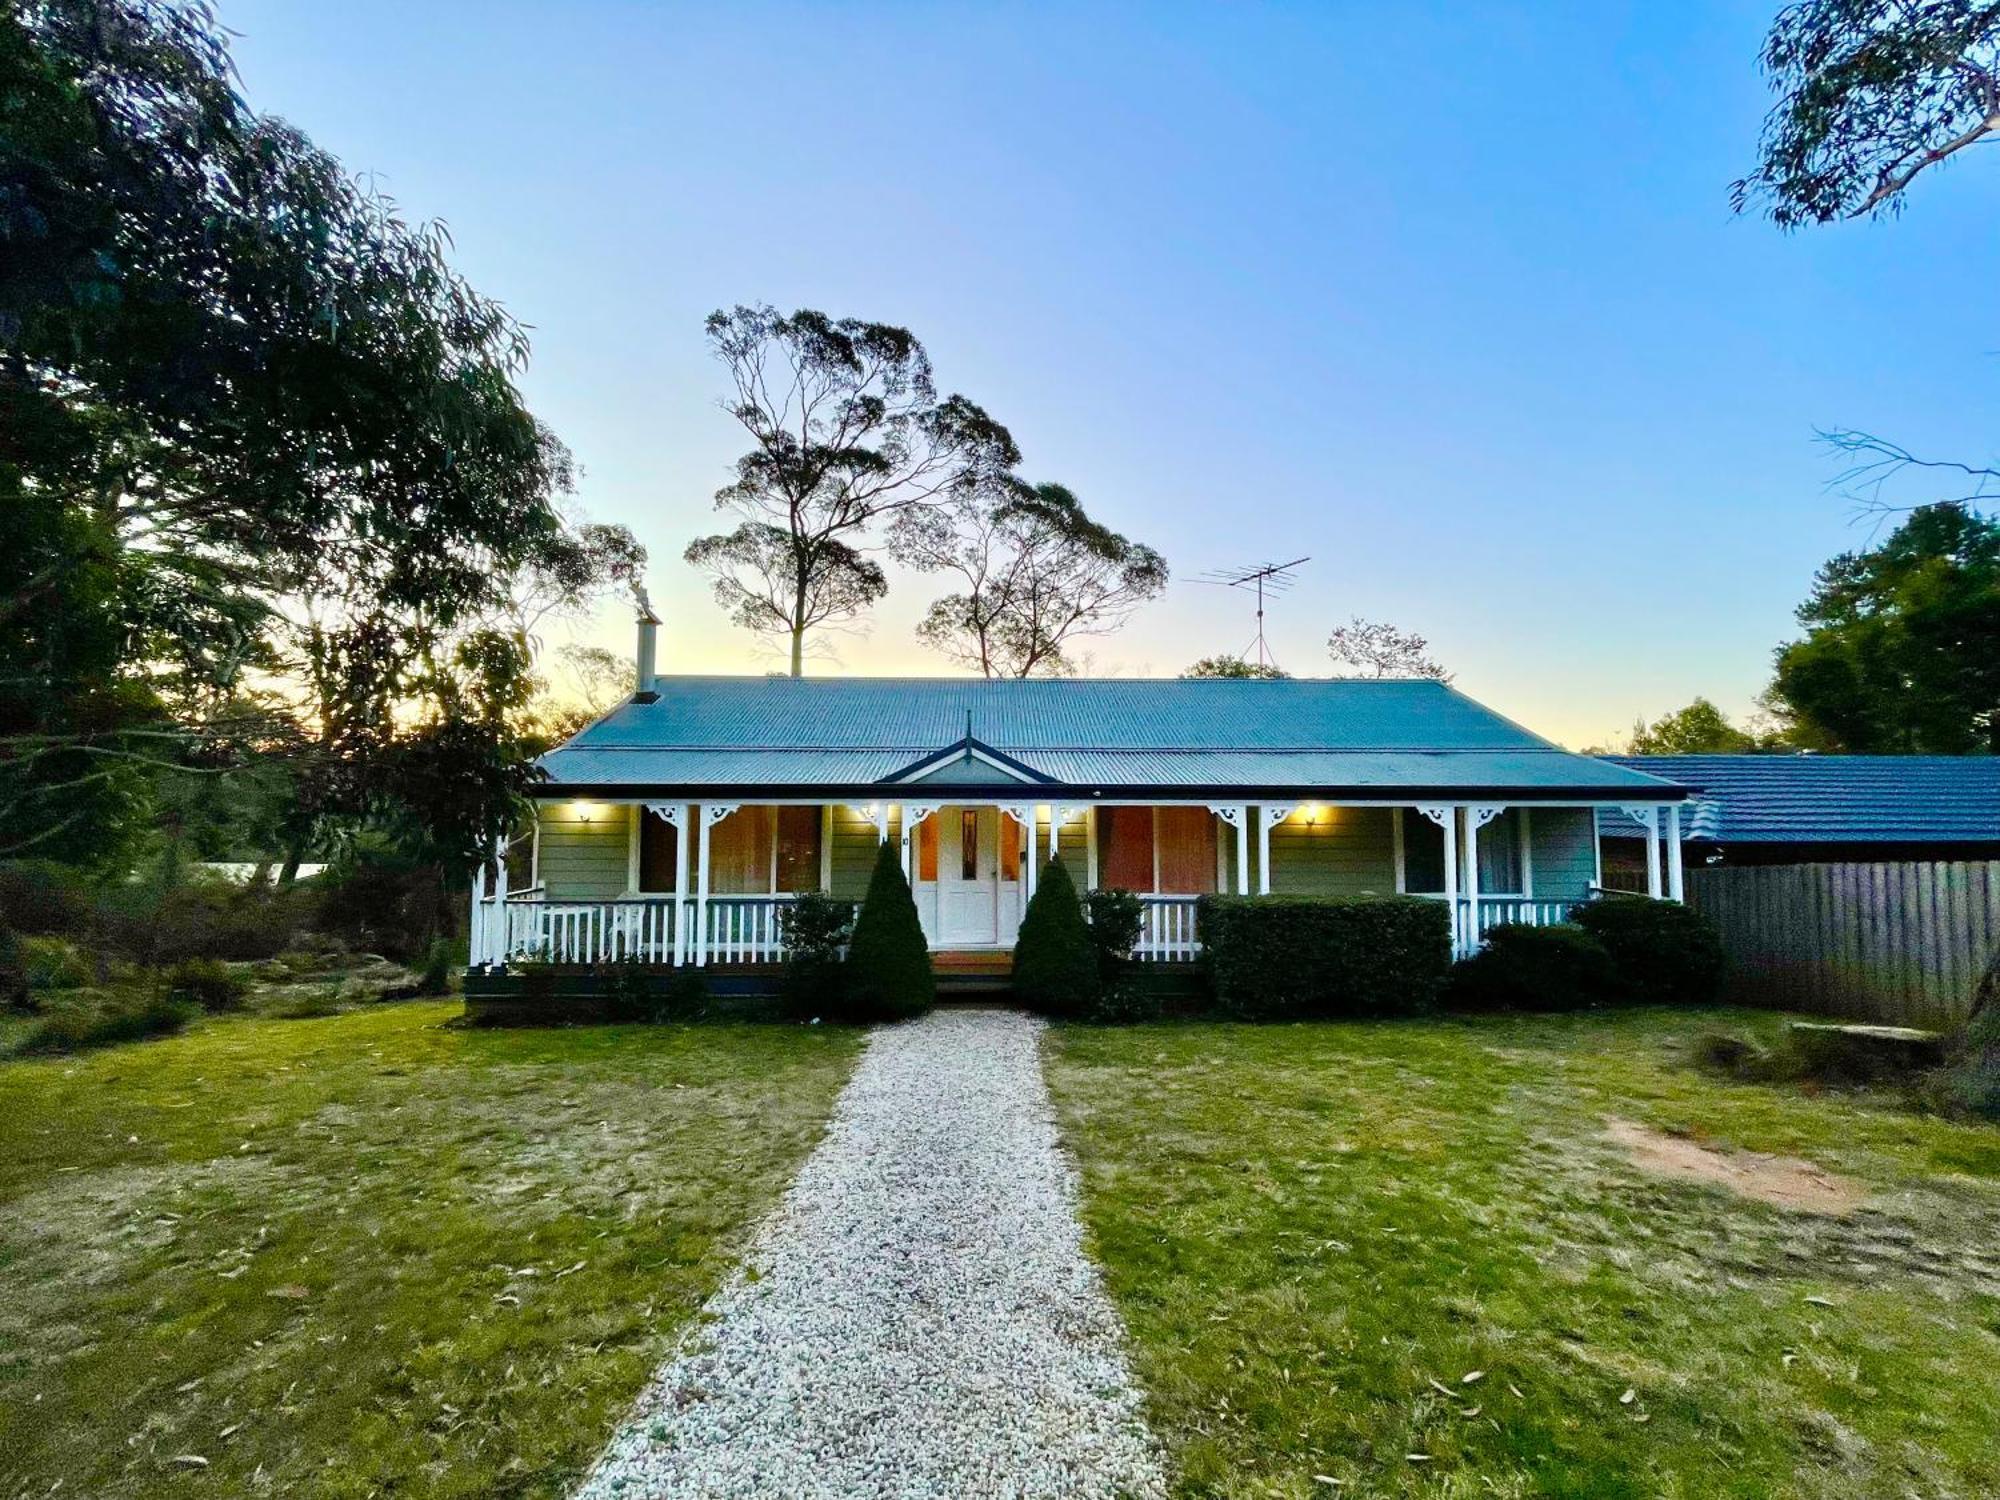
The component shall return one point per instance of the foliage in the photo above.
(206, 982)
(1117, 921)
(175, 914)
(846, 429)
(1055, 954)
(79, 1025)
(817, 929)
(434, 974)
(888, 974)
(1282, 958)
(1125, 1001)
(1970, 1084)
(43, 897)
(1232, 666)
(1699, 729)
(1375, 649)
(1872, 93)
(14, 988)
(1663, 952)
(1038, 574)
(378, 899)
(628, 989)
(267, 484)
(1534, 968)
(1902, 651)
(357, 1237)
(1311, 1228)
(53, 963)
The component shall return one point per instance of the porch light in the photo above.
(1313, 812)
(587, 812)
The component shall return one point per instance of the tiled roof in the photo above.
(1302, 734)
(1834, 799)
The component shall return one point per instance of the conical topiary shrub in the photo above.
(1055, 963)
(888, 972)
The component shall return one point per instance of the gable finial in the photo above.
(968, 723)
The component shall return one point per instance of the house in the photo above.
(677, 827)
(1816, 809)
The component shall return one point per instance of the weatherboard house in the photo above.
(676, 828)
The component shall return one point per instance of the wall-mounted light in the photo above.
(1312, 812)
(587, 812)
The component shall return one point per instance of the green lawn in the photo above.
(1316, 1232)
(372, 1254)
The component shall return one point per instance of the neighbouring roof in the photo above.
(1017, 738)
(1829, 799)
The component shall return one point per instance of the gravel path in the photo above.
(918, 1319)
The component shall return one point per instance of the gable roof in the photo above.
(855, 736)
(1829, 799)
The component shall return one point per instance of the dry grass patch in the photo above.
(1317, 1233)
(372, 1254)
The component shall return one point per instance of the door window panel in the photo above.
(927, 848)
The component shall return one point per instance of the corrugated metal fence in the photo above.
(1902, 943)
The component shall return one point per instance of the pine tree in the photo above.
(1055, 963)
(889, 974)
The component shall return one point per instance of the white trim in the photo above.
(991, 795)
(1597, 848)
(1269, 815)
(1401, 855)
(913, 814)
(1676, 877)
(826, 847)
(1090, 847)
(1648, 817)
(962, 751)
(1527, 853)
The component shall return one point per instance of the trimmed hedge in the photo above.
(1664, 952)
(888, 974)
(1055, 956)
(1273, 958)
(817, 929)
(1535, 968)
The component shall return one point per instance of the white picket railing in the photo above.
(1516, 911)
(741, 929)
(1166, 930)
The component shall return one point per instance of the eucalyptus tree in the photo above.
(1037, 574)
(847, 431)
(232, 379)
(1372, 648)
(1872, 93)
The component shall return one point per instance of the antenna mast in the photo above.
(1271, 578)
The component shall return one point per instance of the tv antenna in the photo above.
(1264, 578)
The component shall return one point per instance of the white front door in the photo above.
(968, 887)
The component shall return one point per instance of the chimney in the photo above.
(648, 654)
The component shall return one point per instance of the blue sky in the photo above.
(1448, 297)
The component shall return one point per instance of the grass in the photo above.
(1316, 1232)
(372, 1254)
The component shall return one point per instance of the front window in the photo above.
(755, 851)
(1157, 850)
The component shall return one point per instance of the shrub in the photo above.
(53, 963)
(380, 903)
(1055, 958)
(1294, 957)
(207, 983)
(1126, 1001)
(817, 930)
(43, 898)
(1535, 968)
(1970, 1084)
(310, 1006)
(627, 989)
(888, 972)
(13, 971)
(1729, 1054)
(75, 1027)
(434, 975)
(202, 916)
(1116, 920)
(1664, 952)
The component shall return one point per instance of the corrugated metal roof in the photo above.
(1833, 799)
(1132, 732)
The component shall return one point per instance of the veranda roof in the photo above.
(865, 738)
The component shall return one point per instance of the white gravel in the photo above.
(918, 1318)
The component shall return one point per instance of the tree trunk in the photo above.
(798, 652)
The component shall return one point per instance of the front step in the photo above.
(968, 972)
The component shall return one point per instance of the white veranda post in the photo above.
(709, 814)
(1476, 818)
(1023, 818)
(675, 814)
(1676, 878)
(1446, 818)
(913, 814)
(1649, 819)
(500, 895)
(1268, 817)
(478, 928)
(1237, 816)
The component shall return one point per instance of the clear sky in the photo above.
(1448, 297)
